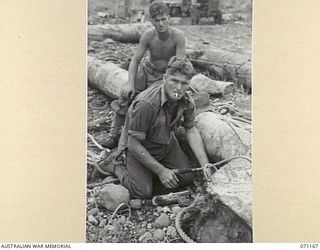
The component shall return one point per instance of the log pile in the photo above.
(225, 65)
(221, 138)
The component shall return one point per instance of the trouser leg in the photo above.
(139, 180)
(176, 159)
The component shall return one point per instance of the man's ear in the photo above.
(164, 77)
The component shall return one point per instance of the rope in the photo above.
(118, 208)
(97, 144)
(183, 235)
(95, 164)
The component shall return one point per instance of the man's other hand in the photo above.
(127, 92)
(168, 178)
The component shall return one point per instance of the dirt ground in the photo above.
(133, 225)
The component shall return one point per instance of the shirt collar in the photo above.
(164, 98)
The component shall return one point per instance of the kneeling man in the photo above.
(152, 150)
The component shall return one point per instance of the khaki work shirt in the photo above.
(151, 120)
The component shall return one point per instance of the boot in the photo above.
(112, 140)
(113, 164)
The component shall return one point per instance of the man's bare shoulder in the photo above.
(149, 34)
(176, 32)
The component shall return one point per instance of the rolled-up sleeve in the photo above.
(189, 114)
(141, 118)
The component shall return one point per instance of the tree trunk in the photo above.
(202, 83)
(128, 33)
(225, 65)
(233, 184)
(217, 132)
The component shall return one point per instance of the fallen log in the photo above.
(107, 77)
(204, 84)
(225, 65)
(222, 139)
(232, 183)
(128, 33)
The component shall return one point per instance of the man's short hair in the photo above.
(180, 65)
(158, 8)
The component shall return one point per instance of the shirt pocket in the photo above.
(159, 131)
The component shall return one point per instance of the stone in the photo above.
(135, 203)
(172, 216)
(147, 236)
(171, 232)
(102, 223)
(162, 221)
(155, 213)
(93, 211)
(158, 235)
(111, 196)
(144, 224)
(165, 209)
(92, 220)
(96, 190)
(149, 225)
(159, 209)
(176, 209)
(91, 200)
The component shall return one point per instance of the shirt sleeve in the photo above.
(189, 114)
(140, 120)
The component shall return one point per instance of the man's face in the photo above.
(161, 23)
(176, 86)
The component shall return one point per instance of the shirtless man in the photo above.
(162, 42)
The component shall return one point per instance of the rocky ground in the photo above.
(139, 220)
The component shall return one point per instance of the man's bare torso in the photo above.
(162, 50)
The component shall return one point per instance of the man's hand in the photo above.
(127, 92)
(168, 178)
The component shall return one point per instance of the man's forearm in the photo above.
(196, 144)
(143, 156)
(133, 68)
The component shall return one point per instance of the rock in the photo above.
(135, 203)
(162, 221)
(155, 213)
(172, 216)
(96, 190)
(159, 209)
(91, 200)
(171, 232)
(165, 209)
(111, 196)
(92, 220)
(122, 220)
(143, 224)
(140, 218)
(176, 209)
(145, 237)
(102, 223)
(93, 211)
(158, 235)
(149, 225)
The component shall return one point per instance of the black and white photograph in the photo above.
(169, 121)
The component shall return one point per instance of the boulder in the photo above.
(162, 221)
(111, 196)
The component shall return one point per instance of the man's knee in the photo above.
(141, 191)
